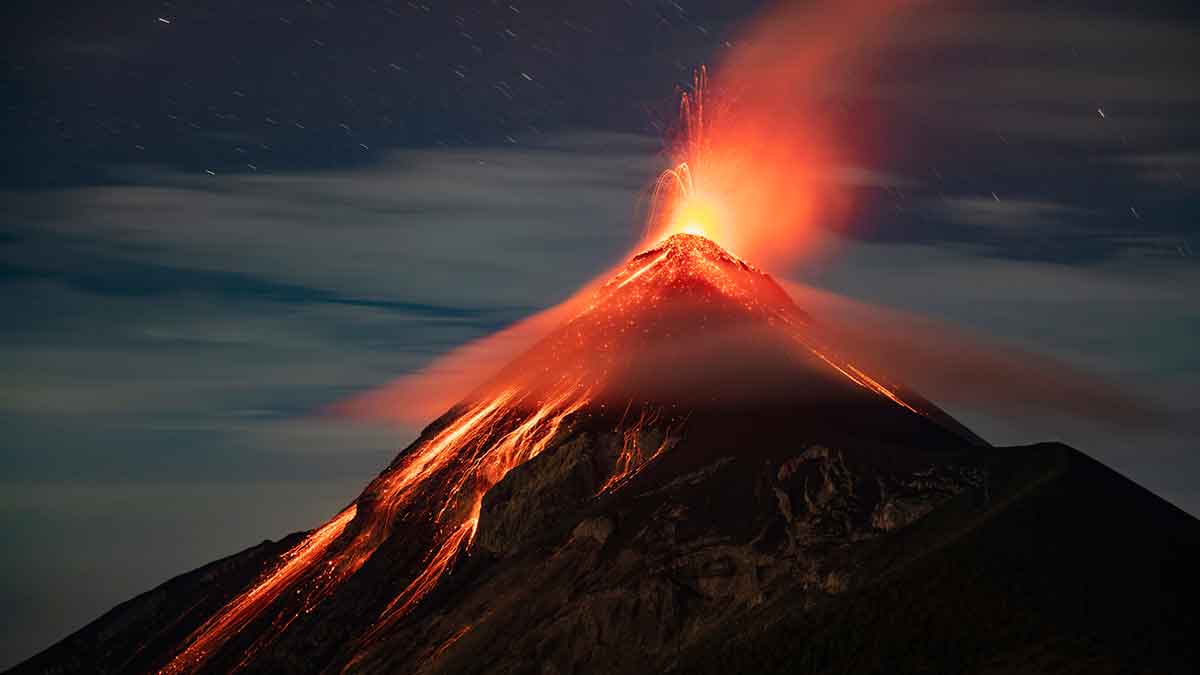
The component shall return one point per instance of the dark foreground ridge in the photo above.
(811, 518)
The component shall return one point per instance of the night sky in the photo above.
(219, 218)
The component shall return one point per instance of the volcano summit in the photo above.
(686, 477)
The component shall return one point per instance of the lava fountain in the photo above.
(753, 165)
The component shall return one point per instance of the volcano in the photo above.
(687, 477)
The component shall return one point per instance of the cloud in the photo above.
(1169, 169)
(1045, 55)
(391, 231)
(1087, 335)
(1081, 123)
(229, 305)
(1006, 214)
(965, 369)
(871, 178)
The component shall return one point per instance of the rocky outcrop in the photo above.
(533, 496)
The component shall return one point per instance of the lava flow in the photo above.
(632, 457)
(457, 465)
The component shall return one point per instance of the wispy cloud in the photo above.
(1007, 214)
(386, 232)
(1123, 323)
(229, 305)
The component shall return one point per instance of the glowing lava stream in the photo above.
(464, 460)
(643, 270)
(247, 606)
(631, 459)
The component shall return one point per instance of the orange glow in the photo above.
(750, 170)
(699, 216)
(251, 603)
(862, 379)
(454, 468)
(632, 457)
(753, 165)
(451, 641)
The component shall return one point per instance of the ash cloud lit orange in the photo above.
(756, 149)
(751, 166)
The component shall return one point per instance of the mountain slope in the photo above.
(682, 475)
(1068, 567)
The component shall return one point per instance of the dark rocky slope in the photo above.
(135, 636)
(1060, 566)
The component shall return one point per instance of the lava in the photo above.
(642, 270)
(455, 467)
(246, 607)
(861, 379)
(679, 204)
(632, 457)
(760, 143)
